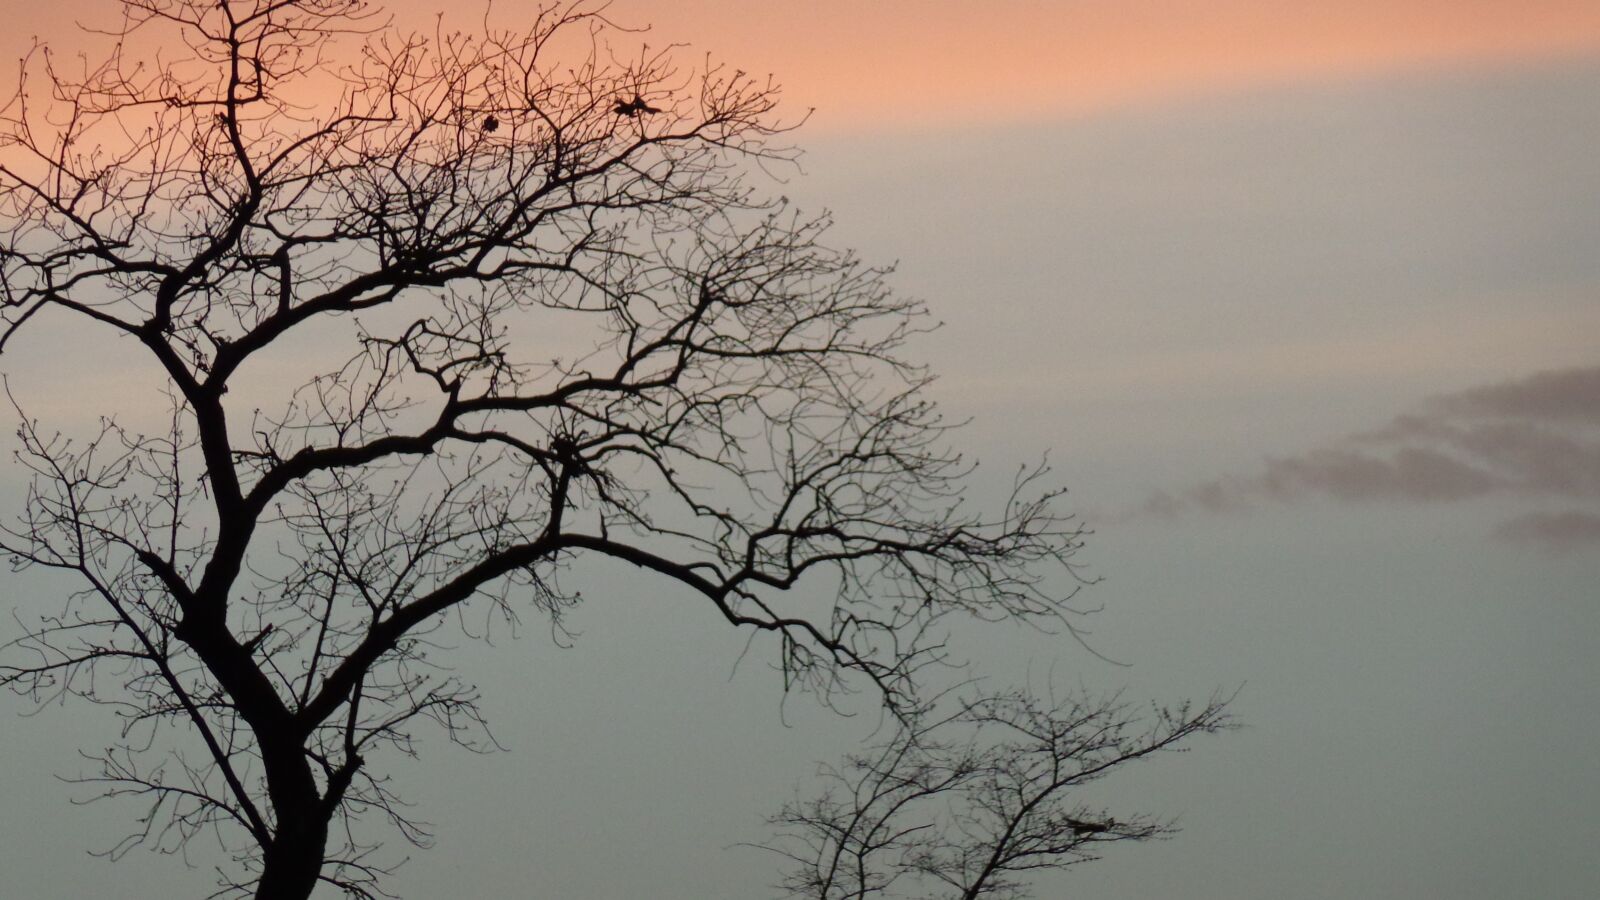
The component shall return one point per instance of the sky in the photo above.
(1301, 299)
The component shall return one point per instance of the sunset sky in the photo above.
(935, 64)
(945, 63)
(1303, 301)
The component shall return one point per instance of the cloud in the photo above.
(1411, 473)
(1556, 532)
(1535, 437)
(1565, 395)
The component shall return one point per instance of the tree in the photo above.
(712, 395)
(968, 803)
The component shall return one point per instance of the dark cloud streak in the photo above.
(1557, 532)
(1535, 437)
(1564, 395)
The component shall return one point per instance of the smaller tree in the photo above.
(969, 803)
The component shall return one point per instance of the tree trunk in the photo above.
(294, 859)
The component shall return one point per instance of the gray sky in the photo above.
(1170, 296)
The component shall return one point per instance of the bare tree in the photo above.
(540, 314)
(968, 804)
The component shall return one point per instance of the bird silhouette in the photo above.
(490, 123)
(251, 645)
(633, 108)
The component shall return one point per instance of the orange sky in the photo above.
(919, 62)
(899, 63)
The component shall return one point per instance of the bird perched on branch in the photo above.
(251, 645)
(490, 123)
(633, 108)
(1080, 829)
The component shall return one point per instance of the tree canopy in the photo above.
(538, 306)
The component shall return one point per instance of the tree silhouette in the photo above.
(534, 317)
(969, 802)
